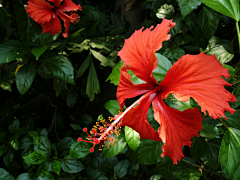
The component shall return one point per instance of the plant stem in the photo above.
(238, 34)
(224, 123)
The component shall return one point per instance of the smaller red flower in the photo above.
(46, 15)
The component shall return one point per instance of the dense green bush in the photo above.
(52, 87)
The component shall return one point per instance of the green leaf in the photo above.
(8, 157)
(165, 11)
(28, 28)
(25, 142)
(14, 142)
(44, 175)
(2, 136)
(205, 26)
(76, 127)
(149, 151)
(227, 7)
(37, 157)
(38, 51)
(222, 49)
(58, 84)
(162, 68)
(14, 127)
(61, 67)
(91, 12)
(198, 148)
(5, 85)
(120, 169)
(65, 143)
(112, 106)
(79, 150)
(43, 145)
(24, 78)
(34, 135)
(92, 83)
(236, 92)
(132, 138)
(233, 119)
(179, 105)
(56, 167)
(213, 152)
(173, 53)
(3, 149)
(104, 61)
(44, 39)
(27, 176)
(71, 99)
(83, 66)
(4, 175)
(11, 50)
(187, 6)
(95, 43)
(70, 165)
(116, 148)
(115, 75)
(229, 156)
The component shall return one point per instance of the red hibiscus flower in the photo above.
(46, 15)
(196, 76)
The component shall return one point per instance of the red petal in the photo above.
(39, 10)
(176, 128)
(199, 76)
(69, 6)
(53, 26)
(67, 23)
(136, 118)
(139, 50)
(126, 89)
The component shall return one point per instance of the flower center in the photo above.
(74, 18)
(158, 89)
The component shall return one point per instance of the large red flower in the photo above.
(46, 15)
(196, 76)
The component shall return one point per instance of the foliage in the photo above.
(52, 87)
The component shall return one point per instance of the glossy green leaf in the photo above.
(4, 175)
(56, 167)
(104, 61)
(84, 66)
(227, 7)
(43, 144)
(198, 148)
(14, 127)
(70, 165)
(149, 151)
(118, 146)
(28, 28)
(34, 135)
(11, 50)
(213, 147)
(91, 12)
(173, 53)
(38, 51)
(93, 86)
(120, 169)
(8, 157)
(58, 84)
(165, 11)
(71, 99)
(79, 150)
(233, 119)
(61, 67)
(236, 92)
(24, 78)
(179, 105)
(162, 68)
(6, 86)
(229, 156)
(222, 49)
(37, 157)
(27, 176)
(65, 143)
(132, 138)
(187, 6)
(115, 75)
(112, 106)
(44, 175)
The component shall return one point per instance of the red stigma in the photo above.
(84, 129)
(79, 139)
(92, 150)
